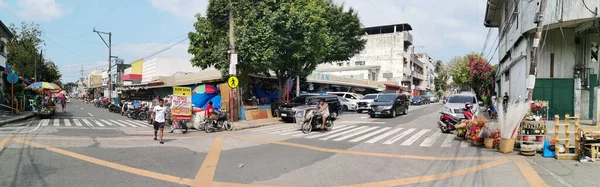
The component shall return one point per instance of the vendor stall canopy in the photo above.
(43, 86)
(205, 88)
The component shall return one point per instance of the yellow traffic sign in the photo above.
(233, 82)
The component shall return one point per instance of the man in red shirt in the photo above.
(209, 110)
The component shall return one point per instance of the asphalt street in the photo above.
(408, 150)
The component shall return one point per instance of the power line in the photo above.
(165, 49)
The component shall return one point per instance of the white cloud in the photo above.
(185, 9)
(45, 10)
(444, 29)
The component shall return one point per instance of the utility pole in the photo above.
(232, 64)
(109, 45)
(536, 44)
(36, 66)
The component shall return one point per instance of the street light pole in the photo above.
(109, 45)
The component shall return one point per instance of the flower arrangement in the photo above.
(537, 111)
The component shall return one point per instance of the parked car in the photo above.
(347, 105)
(348, 95)
(287, 110)
(434, 99)
(363, 104)
(389, 105)
(456, 103)
(418, 100)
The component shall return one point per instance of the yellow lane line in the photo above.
(532, 177)
(434, 177)
(388, 155)
(207, 171)
(136, 171)
(4, 142)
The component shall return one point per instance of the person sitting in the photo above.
(324, 110)
(210, 110)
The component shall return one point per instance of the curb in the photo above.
(15, 119)
(237, 128)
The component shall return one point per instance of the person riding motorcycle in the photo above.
(324, 110)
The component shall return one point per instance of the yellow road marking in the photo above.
(4, 142)
(434, 177)
(150, 174)
(388, 155)
(207, 171)
(532, 177)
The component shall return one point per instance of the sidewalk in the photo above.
(240, 125)
(7, 117)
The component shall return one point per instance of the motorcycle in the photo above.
(114, 108)
(126, 108)
(310, 118)
(134, 114)
(448, 121)
(220, 122)
(143, 114)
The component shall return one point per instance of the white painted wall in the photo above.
(564, 54)
(385, 50)
(163, 67)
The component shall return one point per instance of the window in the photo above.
(551, 65)
(507, 75)
(347, 63)
(348, 96)
(359, 63)
(462, 99)
(2, 46)
(340, 63)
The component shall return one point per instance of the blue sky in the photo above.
(442, 29)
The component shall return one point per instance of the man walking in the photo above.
(158, 118)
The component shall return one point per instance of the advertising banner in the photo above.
(181, 104)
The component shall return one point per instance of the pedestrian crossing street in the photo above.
(371, 135)
(92, 123)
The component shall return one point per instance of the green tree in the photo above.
(441, 81)
(24, 49)
(284, 38)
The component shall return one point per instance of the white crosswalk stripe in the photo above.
(343, 133)
(428, 142)
(448, 141)
(380, 137)
(67, 122)
(331, 132)
(356, 133)
(129, 123)
(87, 122)
(121, 124)
(56, 122)
(45, 122)
(77, 123)
(399, 136)
(370, 134)
(414, 138)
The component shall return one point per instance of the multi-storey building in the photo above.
(388, 56)
(567, 64)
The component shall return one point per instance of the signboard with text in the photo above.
(181, 103)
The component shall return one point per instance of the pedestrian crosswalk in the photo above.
(92, 123)
(371, 135)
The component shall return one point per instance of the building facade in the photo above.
(388, 56)
(568, 59)
(428, 71)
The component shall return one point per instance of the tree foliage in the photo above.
(441, 81)
(284, 38)
(474, 71)
(24, 56)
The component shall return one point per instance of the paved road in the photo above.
(360, 151)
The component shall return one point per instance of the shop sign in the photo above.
(181, 102)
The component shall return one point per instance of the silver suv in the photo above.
(456, 103)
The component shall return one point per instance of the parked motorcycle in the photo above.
(310, 118)
(143, 114)
(218, 123)
(114, 108)
(448, 121)
(134, 114)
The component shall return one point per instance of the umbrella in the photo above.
(205, 88)
(43, 86)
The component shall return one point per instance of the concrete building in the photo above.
(158, 67)
(388, 56)
(5, 36)
(428, 71)
(568, 59)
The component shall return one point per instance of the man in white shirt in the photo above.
(158, 118)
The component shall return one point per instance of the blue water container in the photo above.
(547, 152)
